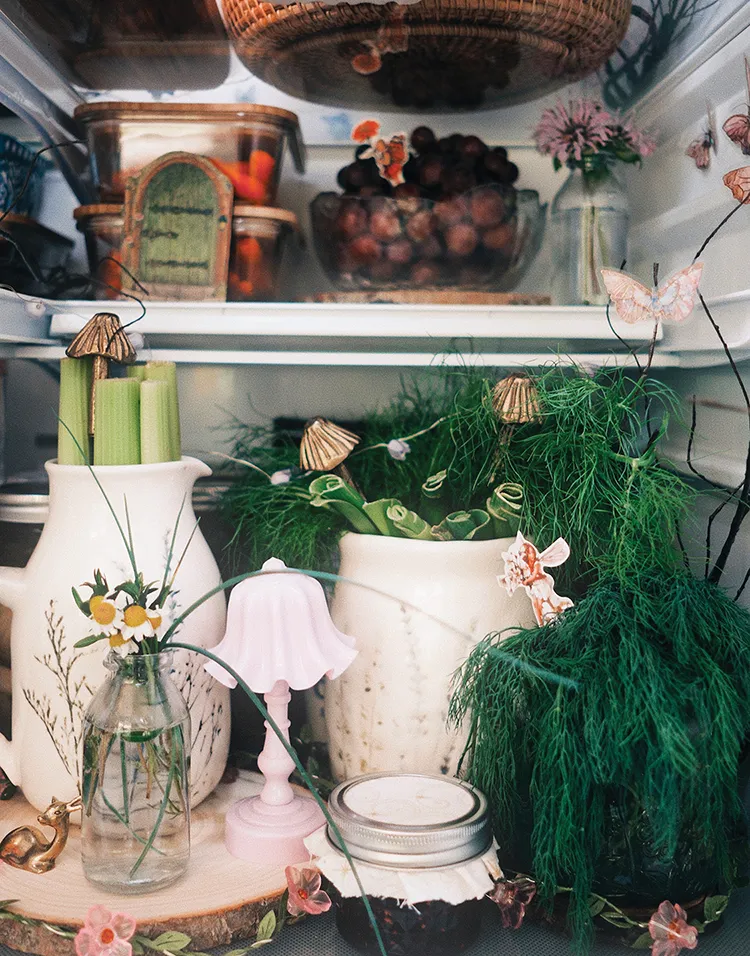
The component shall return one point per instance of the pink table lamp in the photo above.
(279, 635)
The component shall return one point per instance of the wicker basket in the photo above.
(461, 53)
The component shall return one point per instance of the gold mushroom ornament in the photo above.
(325, 446)
(104, 338)
(515, 400)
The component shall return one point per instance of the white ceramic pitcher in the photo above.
(52, 682)
(388, 711)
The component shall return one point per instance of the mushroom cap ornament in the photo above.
(279, 628)
(279, 634)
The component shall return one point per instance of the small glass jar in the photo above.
(423, 848)
(135, 829)
(589, 220)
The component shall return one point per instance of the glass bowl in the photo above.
(482, 239)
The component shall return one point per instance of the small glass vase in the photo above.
(590, 216)
(135, 831)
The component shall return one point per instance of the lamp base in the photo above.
(260, 833)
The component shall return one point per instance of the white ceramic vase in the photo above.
(427, 603)
(52, 682)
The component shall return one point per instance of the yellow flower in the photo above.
(122, 646)
(136, 624)
(158, 619)
(105, 614)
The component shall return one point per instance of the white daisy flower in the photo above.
(122, 646)
(136, 624)
(105, 614)
(159, 620)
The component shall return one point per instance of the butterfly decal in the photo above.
(738, 181)
(524, 568)
(390, 155)
(672, 301)
(737, 127)
(700, 149)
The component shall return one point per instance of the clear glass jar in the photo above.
(424, 852)
(135, 831)
(589, 218)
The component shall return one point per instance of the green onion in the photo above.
(155, 431)
(167, 372)
(75, 399)
(117, 433)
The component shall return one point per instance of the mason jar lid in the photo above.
(24, 501)
(410, 820)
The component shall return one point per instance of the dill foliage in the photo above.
(461, 434)
(590, 473)
(635, 770)
(588, 469)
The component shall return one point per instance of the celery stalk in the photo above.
(75, 401)
(136, 371)
(155, 432)
(117, 431)
(167, 372)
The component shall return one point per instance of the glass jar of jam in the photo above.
(423, 849)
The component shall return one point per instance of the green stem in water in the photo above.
(160, 815)
(124, 775)
(302, 772)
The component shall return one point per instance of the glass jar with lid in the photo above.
(424, 851)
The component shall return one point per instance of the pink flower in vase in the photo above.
(670, 931)
(568, 133)
(105, 934)
(305, 894)
(512, 897)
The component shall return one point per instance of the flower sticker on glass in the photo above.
(670, 930)
(398, 449)
(512, 897)
(105, 934)
(390, 155)
(305, 894)
(524, 567)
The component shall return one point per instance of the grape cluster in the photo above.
(438, 168)
(451, 223)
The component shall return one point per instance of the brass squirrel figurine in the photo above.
(28, 849)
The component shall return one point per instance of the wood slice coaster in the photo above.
(220, 898)
(432, 297)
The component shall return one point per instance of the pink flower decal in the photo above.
(105, 934)
(512, 897)
(524, 568)
(305, 894)
(670, 931)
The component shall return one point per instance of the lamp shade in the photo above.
(279, 629)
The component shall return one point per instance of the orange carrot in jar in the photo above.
(245, 187)
(261, 166)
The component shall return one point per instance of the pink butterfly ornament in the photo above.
(524, 567)
(700, 149)
(737, 127)
(738, 182)
(672, 301)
